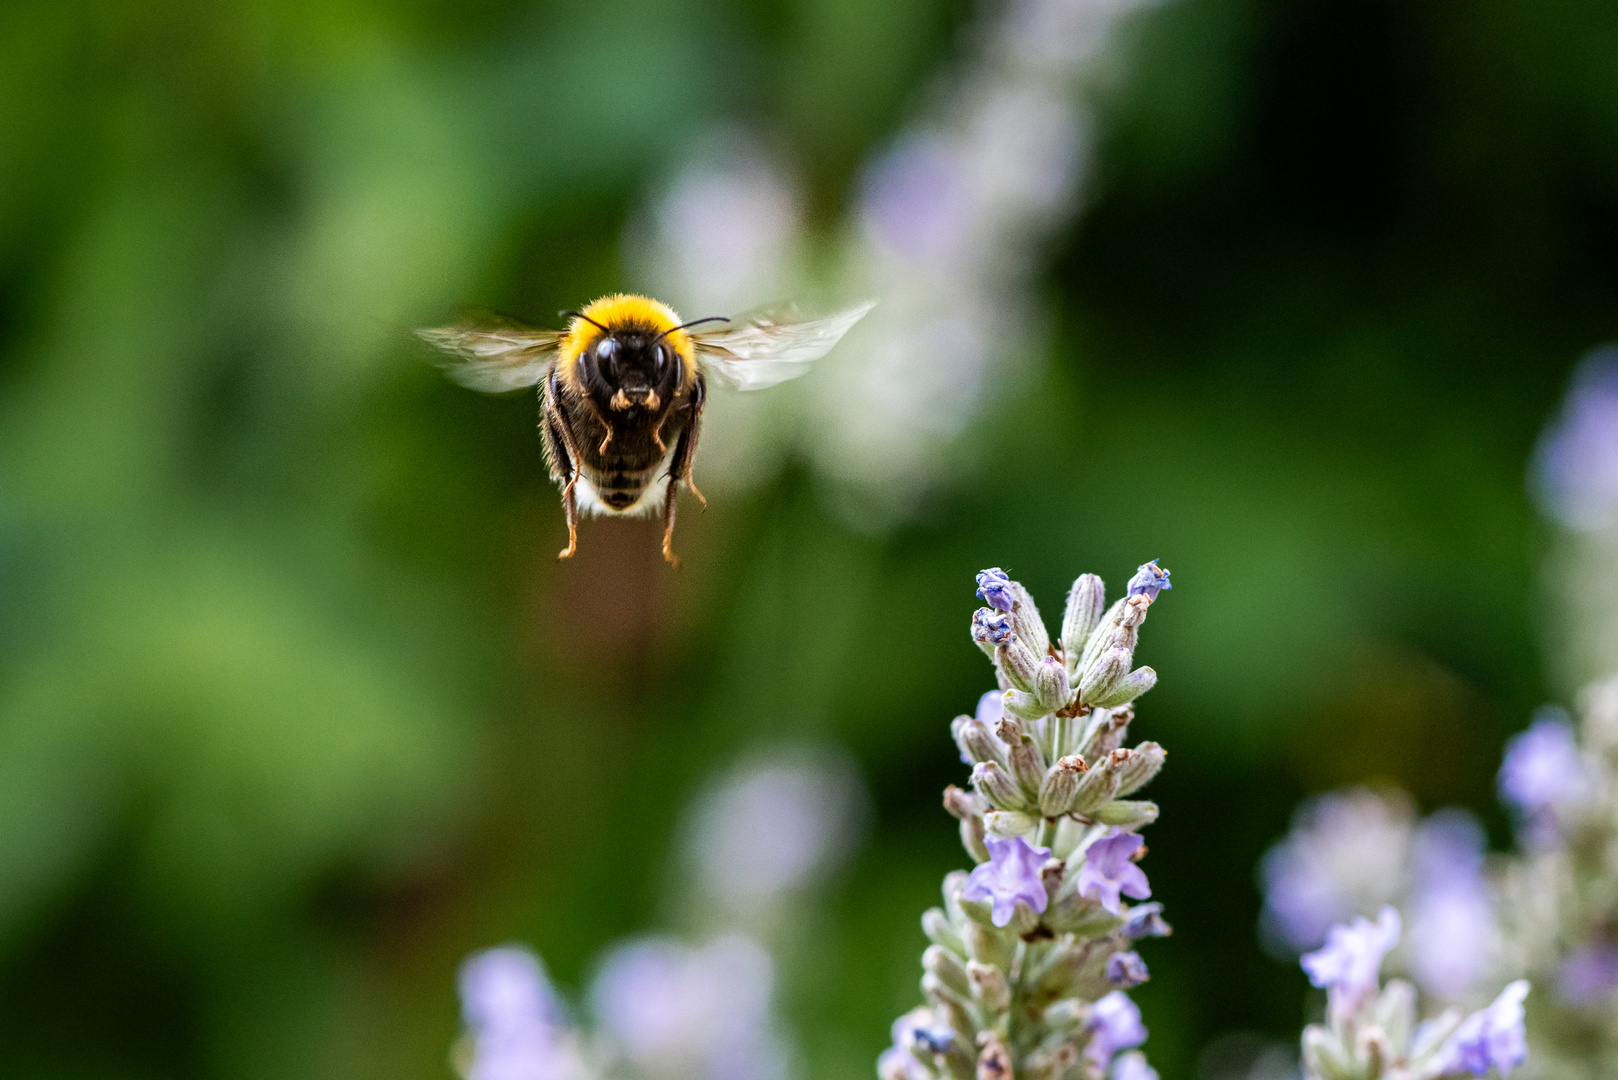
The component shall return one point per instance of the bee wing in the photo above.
(494, 359)
(771, 344)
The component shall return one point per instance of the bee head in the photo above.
(633, 367)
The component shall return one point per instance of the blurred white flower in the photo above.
(773, 826)
(681, 1012)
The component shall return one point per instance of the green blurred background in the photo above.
(296, 706)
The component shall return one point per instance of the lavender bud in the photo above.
(954, 884)
(990, 629)
(1145, 762)
(1126, 813)
(1027, 763)
(1066, 1013)
(1119, 630)
(1085, 602)
(1018, 664)
(949, 969)
(940, 995)
(1009, 824)
(941, 932)
(1060, 785)
(1097, 787)
(1061, 964)
(1128, 688)
(1051, 875)
(1051, 686)
(973, 834)
(989, 986)
(997, 786)
(995, 588)
(1126, 970)
(1026, 706)
(1105, 733)
(1108, 671)
(973, 737)
(1146, 920)
(989, 945)
(961, 804)
(1149, 580)
(994, 1063)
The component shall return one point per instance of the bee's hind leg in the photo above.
(670, 496)
(570, 507)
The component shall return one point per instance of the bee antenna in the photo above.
(586, 318)
(693, 322)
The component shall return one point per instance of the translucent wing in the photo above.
(494, 359)
(771, 344)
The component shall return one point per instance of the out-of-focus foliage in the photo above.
(296, 708)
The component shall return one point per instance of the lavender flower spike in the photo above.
(1108, 871)
(1115, 1020)
(1347, 967)
(1011, 874)
(1149, 580)
(995, 589)
(1490, 1038)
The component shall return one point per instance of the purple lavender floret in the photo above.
(1576, 463)
(990, 626)
(1126, 970)
(1011, 874)
(1149, 580)
(1108, 871)
(1542, 765)
(1133, 1067)
(1115, 1021)
(1347, 967)
(995, 589)
(1490, 1038)
(1146, 920)
(1452, 922)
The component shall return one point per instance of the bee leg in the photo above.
(669, 499)
(570, 507)
(602, 449)
(686, 452)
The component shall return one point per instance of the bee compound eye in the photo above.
(606, 348)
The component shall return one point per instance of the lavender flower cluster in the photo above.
(1558, 896)
(1547, 914)
(1033, 949)
(1371, 1031)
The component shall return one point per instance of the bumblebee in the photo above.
(622, 389)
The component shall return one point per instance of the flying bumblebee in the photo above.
(622, 390)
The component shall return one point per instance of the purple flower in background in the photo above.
(1115, 1020)
(1149, 580)
(1542, 766)
(1452, 927)
(1345, 855)
(991, 708)
(1489, 1038)
(1126, 970)
(1146, 920)
(1589, 975)
(512, 1016)
(916, 200)
(1576, 464)
(1108, 871)
(1132, 1066)
(990, 626)
(995, 589)
(1010, 875)
(678, 1011)
(1347, 967)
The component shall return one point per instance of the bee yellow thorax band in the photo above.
(621, 310)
